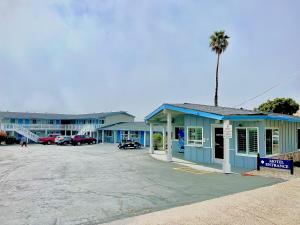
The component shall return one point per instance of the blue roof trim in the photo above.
(183, 110)
(262, 117)
(220, 117)
(156, 111)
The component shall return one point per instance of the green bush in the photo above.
(157, 141)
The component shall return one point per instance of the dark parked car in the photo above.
(63, 140)
(82, 139)
(129, 144)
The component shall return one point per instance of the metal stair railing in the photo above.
(26, 133)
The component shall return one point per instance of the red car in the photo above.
(82, 139)
(48, 140)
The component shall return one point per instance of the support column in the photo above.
(145, 138)
(226, 160)
(164, 138)
(115, 136)
(102, 136)
(97, 136)
(169, 137)
(151, 150)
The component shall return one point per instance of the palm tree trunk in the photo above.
(217, 81)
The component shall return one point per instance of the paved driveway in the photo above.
(96, 183)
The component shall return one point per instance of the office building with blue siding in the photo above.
(202, 128)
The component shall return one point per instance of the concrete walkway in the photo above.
(161, 155)
(277, 204)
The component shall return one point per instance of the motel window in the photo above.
(125, 135)
(247, 140)
(176, 132)
(12, 120)
(34, 121)
(51, 121)
(109, 133)
(134, 135)
(195, 136)
(272, 141)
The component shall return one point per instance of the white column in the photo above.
(226, 160)
(145, 138)
(164, 138)
(169, 137)
(115, 136)
(97, 136)
(102, 136)
(151, 150)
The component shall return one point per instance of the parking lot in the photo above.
(92, 184)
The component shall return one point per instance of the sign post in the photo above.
(275, 163)
(227, 134)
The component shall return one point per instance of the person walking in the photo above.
(23, 142)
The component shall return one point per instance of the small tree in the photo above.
(280, 105)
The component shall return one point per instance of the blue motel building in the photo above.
(107, 127)
(196, 131)
(202, 138)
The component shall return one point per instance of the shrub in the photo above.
(157, 141)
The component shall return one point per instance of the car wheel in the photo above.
(78, 143)
(49, 142)
(94, 142)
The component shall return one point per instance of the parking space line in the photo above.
(190, 170)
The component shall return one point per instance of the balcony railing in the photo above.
(77, 127)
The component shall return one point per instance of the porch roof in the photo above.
(221, 113)
(131, 126)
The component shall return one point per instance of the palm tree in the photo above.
(218, 43)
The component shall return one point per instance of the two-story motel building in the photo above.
(110, 127)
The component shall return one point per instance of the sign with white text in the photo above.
(275, 163)
(227, 131)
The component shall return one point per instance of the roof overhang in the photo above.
(183, 110)
(220, 117)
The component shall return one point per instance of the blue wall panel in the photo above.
(118, 136)
(142, 137)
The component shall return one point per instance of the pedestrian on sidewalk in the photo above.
(23, 142)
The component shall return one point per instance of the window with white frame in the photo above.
(272, 141)
(195, 136)
(176, 132)
(247, 140)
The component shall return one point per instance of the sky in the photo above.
(84, 56)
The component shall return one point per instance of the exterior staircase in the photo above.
(25, 132)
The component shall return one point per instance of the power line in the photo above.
(294, 75)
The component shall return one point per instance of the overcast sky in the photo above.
(82, 56)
